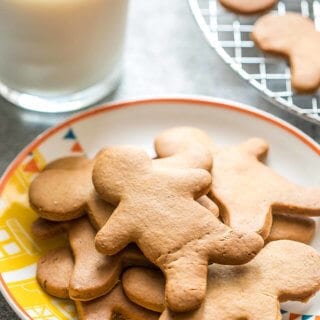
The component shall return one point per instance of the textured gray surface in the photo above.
(165, 54)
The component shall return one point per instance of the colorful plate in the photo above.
(134, 122)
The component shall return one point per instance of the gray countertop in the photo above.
(165, 54)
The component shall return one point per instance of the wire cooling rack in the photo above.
(229, 35)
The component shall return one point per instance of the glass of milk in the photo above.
(60, 55)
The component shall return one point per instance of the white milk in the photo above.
(60, 47)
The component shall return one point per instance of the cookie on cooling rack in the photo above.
(296, 38)
(248, 6)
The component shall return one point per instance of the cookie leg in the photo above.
(113, 303)
(186, 281)
(292, 227)
(299, 200)
(300, 67)
(54, 271)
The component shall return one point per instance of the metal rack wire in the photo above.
(229, 35)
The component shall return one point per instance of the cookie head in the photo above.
(297, 274)
(119, 167)
(184, 147)
(60, 195)
(175, 140)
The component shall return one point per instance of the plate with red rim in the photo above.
(135, 122)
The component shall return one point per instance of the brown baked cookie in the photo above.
(114, 303)
(248, 6)
(294, 37)
(246, 190)
(64, 191)
(292, 227)
(92, 274)
(156, 209)
(283, 271)
(43, 229)
(54, 271)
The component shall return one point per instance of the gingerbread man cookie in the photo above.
(64, 191)
(156, 209)
(248, 6)
(294, 37)
(246, 190)
(284, 270)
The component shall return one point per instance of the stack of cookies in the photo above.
(201, 232)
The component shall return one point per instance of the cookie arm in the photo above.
(194, 182)
(206, 202)
(116, 234)
(257, 147)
